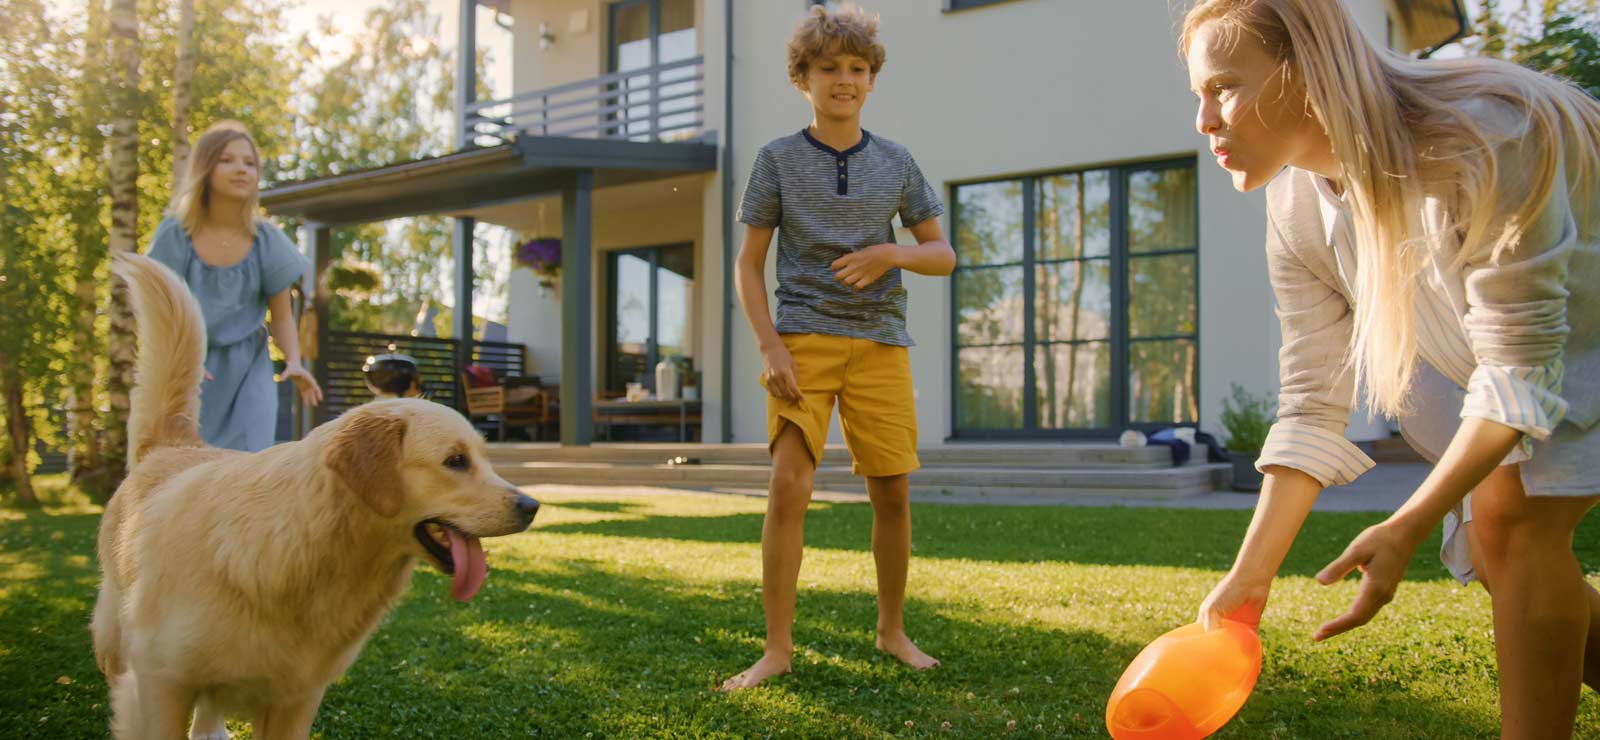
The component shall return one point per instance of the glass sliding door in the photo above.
(650, 294)
(646, 34)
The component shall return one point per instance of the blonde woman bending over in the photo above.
(1432, 241)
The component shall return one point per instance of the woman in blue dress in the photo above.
(240, 268)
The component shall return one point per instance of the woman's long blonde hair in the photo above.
(1401, 135)
(192, 198)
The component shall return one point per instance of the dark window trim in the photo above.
(1065, 260)
(1164, 252)
(651, 254)
(956, 6)
(1120, 340)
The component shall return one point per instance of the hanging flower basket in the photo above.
(542, 256)
(353, 279)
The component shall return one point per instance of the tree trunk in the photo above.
(5, 461)
(84, 464)
(124, 150)
(5, 456)
(84, 457)
(18, 431)
(180, 93)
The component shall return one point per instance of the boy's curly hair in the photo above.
(847, 29)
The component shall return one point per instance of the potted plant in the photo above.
(1247, 418)
(543, 257)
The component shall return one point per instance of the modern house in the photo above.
(1109, 276)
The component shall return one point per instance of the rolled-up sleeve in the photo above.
(1517, 305)
(1316, 388)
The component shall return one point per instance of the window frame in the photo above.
(1120, 338)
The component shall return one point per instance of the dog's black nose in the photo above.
(527, 505)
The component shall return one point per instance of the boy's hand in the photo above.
(863, 267)
(778, 373)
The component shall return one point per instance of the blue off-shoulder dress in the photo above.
(238, 405)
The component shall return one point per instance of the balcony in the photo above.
(664, 103)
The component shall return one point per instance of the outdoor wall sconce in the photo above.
(546, 38)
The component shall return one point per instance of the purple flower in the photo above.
(540, 255)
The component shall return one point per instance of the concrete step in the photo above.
(1167, 482)
(1075, 455)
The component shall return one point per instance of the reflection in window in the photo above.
(633, 47)
(990, 224)
(1080, 312)
(990, 387)
(651, 300)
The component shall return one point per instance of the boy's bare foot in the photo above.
(770, 665)
(901, 647)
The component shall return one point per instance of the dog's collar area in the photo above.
(440, 553)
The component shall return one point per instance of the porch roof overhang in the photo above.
(1430, 24)
(473, 178)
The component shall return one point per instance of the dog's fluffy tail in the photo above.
(164, 410)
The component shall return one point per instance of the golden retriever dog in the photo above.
(246, 583)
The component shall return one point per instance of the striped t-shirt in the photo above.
(827, 203)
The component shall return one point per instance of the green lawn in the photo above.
(616, 616)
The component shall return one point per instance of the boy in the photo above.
(831, 192)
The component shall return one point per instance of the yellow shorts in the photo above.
(877, 406)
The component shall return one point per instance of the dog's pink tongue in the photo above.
(471, 568)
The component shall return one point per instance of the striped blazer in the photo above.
(1522, 336)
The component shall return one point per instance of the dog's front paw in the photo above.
(212, 735)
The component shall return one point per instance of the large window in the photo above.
(644, 35)
(1076, 302)
(650, 294)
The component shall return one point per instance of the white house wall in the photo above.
(1010, 89)
(1013, 88)
(574, 54)
(535, 317)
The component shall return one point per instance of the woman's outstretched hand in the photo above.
(1381, 553)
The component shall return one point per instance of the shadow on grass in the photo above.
(1098, 536)
(607, 507)
(48, 578)
(573, 648)
(1185, 538)
(560, 647)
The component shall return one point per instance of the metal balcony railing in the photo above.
(661, 103)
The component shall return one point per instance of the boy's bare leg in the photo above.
(782, 539)
(891, 549)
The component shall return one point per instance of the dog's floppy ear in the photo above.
(365, 455)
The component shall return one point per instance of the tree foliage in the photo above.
(315, 109)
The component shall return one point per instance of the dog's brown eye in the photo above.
(457, 462)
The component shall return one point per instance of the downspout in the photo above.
(728, 257)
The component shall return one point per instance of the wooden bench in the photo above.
(492, 404)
